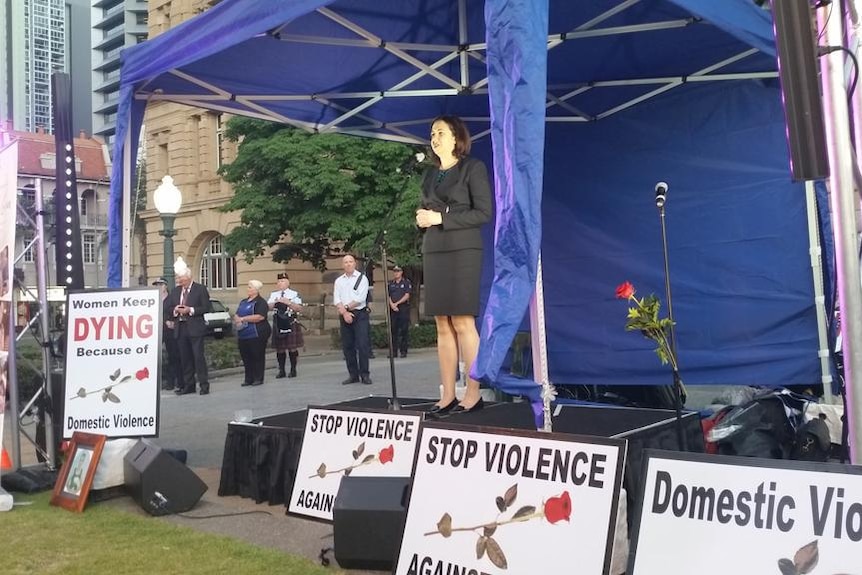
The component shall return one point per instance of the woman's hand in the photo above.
(428, 218)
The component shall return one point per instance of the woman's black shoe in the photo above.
(476, 407)
(442, 410)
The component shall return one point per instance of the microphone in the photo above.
(414, 162)
(660, 194)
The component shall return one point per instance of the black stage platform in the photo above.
(260, 457)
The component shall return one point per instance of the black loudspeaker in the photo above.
(796, 41)
(368, 521)
(67, 244)
(159, 482)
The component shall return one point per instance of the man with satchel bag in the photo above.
(349, 297)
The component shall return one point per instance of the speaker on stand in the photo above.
(796, 43)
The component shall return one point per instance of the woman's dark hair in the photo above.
(461, 133)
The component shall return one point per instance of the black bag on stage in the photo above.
(812, 441)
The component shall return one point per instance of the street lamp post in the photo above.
(168, 201)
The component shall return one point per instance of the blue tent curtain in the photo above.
(517, 72)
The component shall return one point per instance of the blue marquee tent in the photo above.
(581, 107)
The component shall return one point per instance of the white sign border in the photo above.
(349, 409)
(158, 377)
(619, 472)
(733, 460)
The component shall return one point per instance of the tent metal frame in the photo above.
(255, 104)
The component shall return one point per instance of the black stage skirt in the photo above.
(289, 342)
(452, 282)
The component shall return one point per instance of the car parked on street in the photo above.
(218, 320)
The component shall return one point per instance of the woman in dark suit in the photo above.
(252, 333)
(456, 202)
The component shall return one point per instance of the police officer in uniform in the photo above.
(399, 310)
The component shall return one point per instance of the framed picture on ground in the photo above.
(76, 475)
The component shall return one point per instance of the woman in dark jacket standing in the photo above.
(252, 333)
(456, 202)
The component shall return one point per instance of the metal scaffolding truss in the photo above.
(561, 100)
(37, 325)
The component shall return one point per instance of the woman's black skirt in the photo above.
(452, 282)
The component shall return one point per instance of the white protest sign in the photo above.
(340, 442)
(765, 516)
(113, 356)
(494, 501)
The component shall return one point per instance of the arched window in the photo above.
(218, 269)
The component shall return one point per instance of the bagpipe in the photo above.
(284, 319)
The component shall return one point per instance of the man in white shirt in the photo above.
(349, 296)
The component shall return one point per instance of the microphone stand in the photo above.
(394, 404)
(677, 381)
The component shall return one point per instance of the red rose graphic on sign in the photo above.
(554, 510)
(117, 378)
(386, 455)
(558, 508)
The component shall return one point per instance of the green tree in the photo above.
(315, 196)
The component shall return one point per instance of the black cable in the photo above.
(824, 50)
(221, 515)
(828, 16)
(855, 72)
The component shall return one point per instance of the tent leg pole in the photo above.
(127, 207)
(539, 345)
(843, 204)
(819, 298)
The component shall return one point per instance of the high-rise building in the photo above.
(117, 24)
(38, 38)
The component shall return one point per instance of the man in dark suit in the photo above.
(189, 302)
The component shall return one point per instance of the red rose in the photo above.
(625, 290)
(386, 454)
(142, 374)
(558, 508)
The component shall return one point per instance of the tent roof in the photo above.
(385, 68)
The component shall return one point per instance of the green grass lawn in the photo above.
(40, 539)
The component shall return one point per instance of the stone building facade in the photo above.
(187, 143)
(36, 166)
